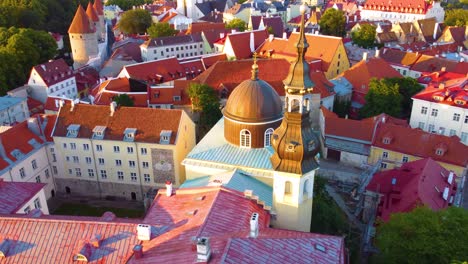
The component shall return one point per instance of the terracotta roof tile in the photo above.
(53, 103)
(19, 138)
(427, 63)
(14, 195)
(54, 71)
(98, 7)
(275, 23)
(398, 57)
(403, 6)
(35, 106)
(199, 27)
(90, 116)
(415, 183)
(240, 42)
(80, 23)
(454, 93)
(91, 12)
(158, 71)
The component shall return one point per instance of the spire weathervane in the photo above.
(255, 67)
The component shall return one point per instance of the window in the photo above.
(76, 159)
(133, 176)
(464, 137)
(439, 152)
(442, 130)
(287, 188)
(466, 119)
(47, 175)
(120, 175)
(54, 158)
(421, 125)
(34, 164)
(145, 164)
(268, 134)
(101, 161)
(90, 173)
(130, 150)
(434, 112)
(86, 147)
(424, 110)
(116, 149)
(78, 172)
(64, 145)
(131, 163)
(54, 169)
(37, 203)
(88, 160)
(99, 148)
(118, 163)
(452, 132)
(27, 210)
(385, 155)
(383, 165)
(456, 117)
(245, 138)
(72, 145)
(103, 174)
(67, 158)
(404, 159)
(147, 177)
(22, 173)
(70, 171)
(431, 128)
(144, 151)
(38, 179)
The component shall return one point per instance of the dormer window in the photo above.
(73, 130)
(129, 134)
(17, 154)
(165, 136)
(98, 132)
(460, 102)
(387, 140)
(440, 152)
(176, 98)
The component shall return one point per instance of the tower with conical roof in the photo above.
(93, 19)
(100, 12)
(295, 146)
(83, 40)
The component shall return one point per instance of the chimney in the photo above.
(203, 249)
(113, 106)
(138, 251)
(271, 37)
(355, 18)
(294, 30)
(33, 126)
(168, 189)
(254, 225)
(252, 42)
(435, 30)
(144, 232)
(443, 69)
(377, 53)
(221, 35)
(233, 31)
(364, 56)
(347, 19)
(383, 119)
(450, 178)
(441, 85)
(72, 105)
(285, 35)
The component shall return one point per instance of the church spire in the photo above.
(255, 68)
(298, 79)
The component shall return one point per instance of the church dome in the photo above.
(253, 101)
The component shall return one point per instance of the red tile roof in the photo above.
(276, 25)
(434, 78)
(427, 63)
(90, 116)
(398, 57)
(223, 216)
(53, 103)
(54, 71)
(240, 42)
(14, 195)
(198, 27)
(421, 144)
(209, 60)
(80, 23)
(18, 138)
(453, 93)
(416, 183)
(91, 12)
(86, 77)
(401, 6)
(98, 7)
(159, 71)
(35, 106)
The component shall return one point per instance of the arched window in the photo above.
(287, 187)
(268, 134)
(306, 190)
(295, 105)
(245, 140)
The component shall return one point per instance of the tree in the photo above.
(237, 24)
(407, 88)
(161, 29)
(341, 107)
(383, 97)
(205, 100)
(456, 17)
(333, 23)
(365, 36)
(424, 236)
(123, 100)
(135, 21)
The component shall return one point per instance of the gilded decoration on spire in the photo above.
(255, 67)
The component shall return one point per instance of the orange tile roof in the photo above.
(427, 63)
(421, 144)
(158, 71)
(80, 23)
(394, 56)
(54, 71)
(198, 27)
(52, 103)
(91, 12)
(402, 6)
(240, 42)
(98, 7)
(149, 122)
(18, 138)
(454, 92)
(320, 47)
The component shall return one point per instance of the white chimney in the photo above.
(271, 37)
(450, 177)
(61, 103)
(355, 18)
(113, 106)
(203, 249)
(168, 189)
(233, 31)
(377, 53)
(72, 105)
(252, 42)
(435, 30)
(144, 232)
(347, 19)
(254, 225)
(383, 119)
(364, 56)
(221, 35)
(285, 35)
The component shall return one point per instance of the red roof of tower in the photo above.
(91, 12)
(98, 7)
(80, 23)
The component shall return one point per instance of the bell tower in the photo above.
(295, 147)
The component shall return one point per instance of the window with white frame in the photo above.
(67, 158)
(78, 172)
(86, 147)
(147, 177)
(145, 164)
(99, 148)
(54, 169)
(452, 132)
(245, 139)
(456, 117)
(37, 203)
(64, 145)
(421, 125)
(120, 175)
(118, 163)
(464, 137)
(70, 171)
(54, 157)
(38, 179)
(434, 112)
(103, 174)
(27, 209)
(144, 151)
(101, 161)
(466, 119)
(131, 163)
(116, 149)
(34, 164)
(404, 159)
(130, 150)
(90, 173)
(46, 173)
(76, 159)
(73, 145)
(88, 160)
(385, 154)
(133, 176)
(22, 173)
(268, 134)
(423, 110)
(383, 165)
(431, 128)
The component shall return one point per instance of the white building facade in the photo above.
(374, 10)
(13, 110)
(178, 46)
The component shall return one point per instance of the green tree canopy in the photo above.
(237, 24)
(135, 21)
(161, 29)
(333, 23)
(205, 100)
(128, 4)
(365, 36)
(456, 17)
(383, 97)
(424, 236)
(123, 100)
(407, 87)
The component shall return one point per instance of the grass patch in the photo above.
(88, 210)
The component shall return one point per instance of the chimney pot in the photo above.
(138, 251)
(168, 189)
(113, 106)
(364, 56)
(72, 105)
